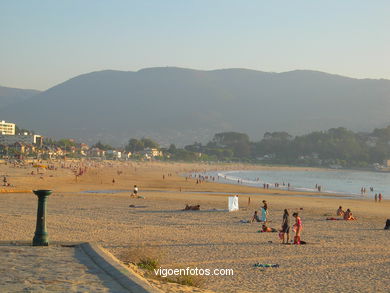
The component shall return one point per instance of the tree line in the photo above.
(334, 147)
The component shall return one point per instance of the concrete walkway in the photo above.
(57, 268)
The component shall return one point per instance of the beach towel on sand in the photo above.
(265, 265)
(333, 219)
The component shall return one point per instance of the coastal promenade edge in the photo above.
(112, 267)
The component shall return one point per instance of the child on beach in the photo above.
(297, 228)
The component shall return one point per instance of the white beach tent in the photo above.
(233, 203)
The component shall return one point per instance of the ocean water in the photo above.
(331, 181)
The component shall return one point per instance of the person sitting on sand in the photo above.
(340, 211)
(348, 216)
(192, 208)
(387, 225)
(264, 228)
(255, 218)
(135, 191)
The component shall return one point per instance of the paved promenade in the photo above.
(54, 269)
(65, 268)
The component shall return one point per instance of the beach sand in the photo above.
(339, 256)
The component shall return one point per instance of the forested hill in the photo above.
(183, 105)
(9, 96)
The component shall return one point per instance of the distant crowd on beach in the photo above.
(319, 188)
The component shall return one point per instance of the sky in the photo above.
(44, 43)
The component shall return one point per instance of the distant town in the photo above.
(22, 144)
(335, 148)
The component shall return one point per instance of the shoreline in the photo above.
(224, 177)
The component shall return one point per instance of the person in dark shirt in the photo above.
(286, 226)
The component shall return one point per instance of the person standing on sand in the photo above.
(376, 197)
(264, 211)
(380, 197)
(297, 228)
(286, 226)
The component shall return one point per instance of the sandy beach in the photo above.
(339, 255)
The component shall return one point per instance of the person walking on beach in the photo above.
(286, 227)
(376, 197)
(380, 197)
(297, 228)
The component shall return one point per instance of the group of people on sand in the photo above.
(264, 212)
(378, 197)
(284, 233)
(297, 228)
(347, 215)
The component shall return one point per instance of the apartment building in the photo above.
(25, 139)
(7, 128)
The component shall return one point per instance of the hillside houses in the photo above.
(150, 153)
(26, 144)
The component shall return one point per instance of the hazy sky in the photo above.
(44, 43)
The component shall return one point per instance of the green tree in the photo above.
(172, 149)
(134, 145)
(148, 143)
(104, 147)
(238, 142)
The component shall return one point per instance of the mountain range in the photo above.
(9, 96)
(182, 105)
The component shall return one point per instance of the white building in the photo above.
(7, 128)
(151, 153)
(25, 139)
(113, 154)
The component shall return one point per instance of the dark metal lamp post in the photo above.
(41, 236)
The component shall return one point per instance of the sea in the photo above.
(347, 182)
